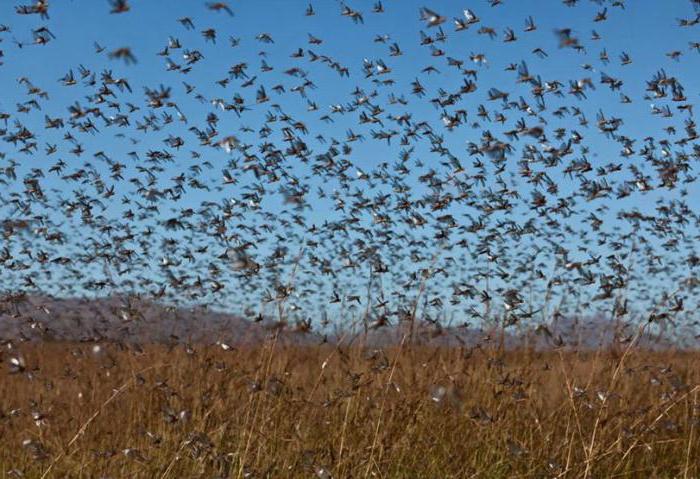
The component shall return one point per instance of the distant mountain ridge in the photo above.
(117, 318)
(131, 319)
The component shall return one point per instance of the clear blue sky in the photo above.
(647, 30)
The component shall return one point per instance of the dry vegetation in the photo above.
(71, 410)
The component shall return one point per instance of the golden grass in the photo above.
(315, 411)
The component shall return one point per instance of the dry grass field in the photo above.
(274, 410)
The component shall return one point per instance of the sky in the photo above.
(646, 29)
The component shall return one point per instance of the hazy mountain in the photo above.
(130, 319)
(119, 318)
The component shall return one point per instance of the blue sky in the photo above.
(647, 30)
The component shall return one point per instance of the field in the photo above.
(275, 410)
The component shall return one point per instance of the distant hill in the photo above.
(129, 319)
(117, 318)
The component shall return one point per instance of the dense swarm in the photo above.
(349, 239)
(450, 170)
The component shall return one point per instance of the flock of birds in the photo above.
(425, 184)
